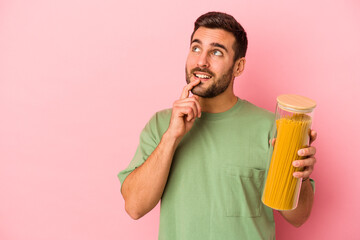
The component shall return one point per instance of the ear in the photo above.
(239, 66)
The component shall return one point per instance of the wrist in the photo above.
(170, 138)
(305, 179)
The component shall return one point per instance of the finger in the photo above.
(304, 174)
(188, 99)
(185, 112)
(187, 88)
(197, 104)
(188, 102)
(272, 141)
(190, 114)
(196, 100)
(308, 162)
(310, 151)
(313, 136)
(193, 100)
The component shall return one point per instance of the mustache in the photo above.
(204, 70)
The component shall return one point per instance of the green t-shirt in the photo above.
(216, 179)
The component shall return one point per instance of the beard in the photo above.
(217, 85)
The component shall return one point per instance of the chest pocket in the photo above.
(243, 191)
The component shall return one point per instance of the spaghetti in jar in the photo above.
(294, 115)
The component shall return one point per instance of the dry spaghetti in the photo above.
(281, 188)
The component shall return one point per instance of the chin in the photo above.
(197, 90)
(200, 93)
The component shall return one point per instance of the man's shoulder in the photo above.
(257, 117)
(258, 112)
(162, 115)
(160, 119)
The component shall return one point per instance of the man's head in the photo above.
(216, 57)
(218, 20)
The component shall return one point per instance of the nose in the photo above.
(203, 61)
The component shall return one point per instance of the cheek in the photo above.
(191, 61)
(224, 68)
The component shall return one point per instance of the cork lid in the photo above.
(296, 103)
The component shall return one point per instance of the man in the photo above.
(206, 157)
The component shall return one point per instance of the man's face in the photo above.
(211, 59)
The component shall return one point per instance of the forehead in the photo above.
(208, 36)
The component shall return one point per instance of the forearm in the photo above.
(301, 213)
(143, 188)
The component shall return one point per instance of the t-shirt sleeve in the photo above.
(312, 182)
(149, 139)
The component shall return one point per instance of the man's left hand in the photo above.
(309, 161)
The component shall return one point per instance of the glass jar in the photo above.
(293, 120)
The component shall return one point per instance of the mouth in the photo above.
(202, 76)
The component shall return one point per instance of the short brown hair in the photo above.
(228, 23)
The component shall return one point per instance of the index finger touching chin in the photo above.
(187, 88)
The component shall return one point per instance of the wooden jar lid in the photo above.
(296, 103)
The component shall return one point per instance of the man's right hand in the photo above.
(184, 112)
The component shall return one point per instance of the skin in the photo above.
(205, 53)
(211, 54)
(299, 215)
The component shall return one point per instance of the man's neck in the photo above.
(220, 103)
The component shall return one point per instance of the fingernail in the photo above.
(296, 174)
(300, 152)
(296, 164)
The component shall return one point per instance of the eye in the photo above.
(217, 53)
(195, 49)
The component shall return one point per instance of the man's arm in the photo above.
(143, 188)
(301, 213)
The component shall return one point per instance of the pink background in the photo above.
(79, 79)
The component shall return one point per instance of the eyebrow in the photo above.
(212, 44)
